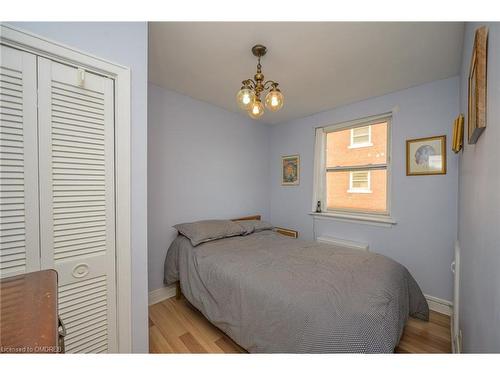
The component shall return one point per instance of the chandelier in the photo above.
(249, 95)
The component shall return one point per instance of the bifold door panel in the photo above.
(19, 240)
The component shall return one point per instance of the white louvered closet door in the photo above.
(76, 142)
(19, 241)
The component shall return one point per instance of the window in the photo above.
(359, 182)
(361, 137)
(352, 164)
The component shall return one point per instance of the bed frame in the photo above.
(254, 217)
(284, 231)
(287, 232)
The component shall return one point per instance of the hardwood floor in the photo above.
(177, 327)
(426, 337)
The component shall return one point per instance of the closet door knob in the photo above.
(80, 270)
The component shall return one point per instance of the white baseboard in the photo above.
(161, 294)
(439, 305)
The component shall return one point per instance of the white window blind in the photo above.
(359, 182)
(361, 137)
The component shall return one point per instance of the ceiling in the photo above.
(319, 65)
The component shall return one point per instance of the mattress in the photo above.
(274, 294)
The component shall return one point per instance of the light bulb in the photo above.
(274, 100)
(245, 97)
(256, 109)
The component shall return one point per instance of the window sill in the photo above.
(359, 191)
(360, 145)
(379, 220)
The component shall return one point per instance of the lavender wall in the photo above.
(204, 163)
(479, 210)
(425, 207)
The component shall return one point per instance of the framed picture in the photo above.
(477, 86)
(426, 156)
(290, 170)
(458, 134)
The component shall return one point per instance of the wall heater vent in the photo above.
(343, 243)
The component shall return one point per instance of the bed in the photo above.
(272, 293)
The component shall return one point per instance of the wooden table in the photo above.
(28, 313)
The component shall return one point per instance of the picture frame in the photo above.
(426, 156)
(458, 134)
(290, 170)
(477, 86)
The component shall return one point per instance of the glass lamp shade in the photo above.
(256, 109)
(274, 100)
(245, 98)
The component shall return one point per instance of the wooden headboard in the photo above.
(254, 217)
(285, 231)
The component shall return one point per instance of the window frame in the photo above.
(320, 171)
(369, 143)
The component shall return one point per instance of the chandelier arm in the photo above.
(251, 83)
(273, 83)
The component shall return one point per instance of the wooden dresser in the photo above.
(28, 314)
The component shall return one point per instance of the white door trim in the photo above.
(40, 46)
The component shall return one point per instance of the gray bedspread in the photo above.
(275, 294)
